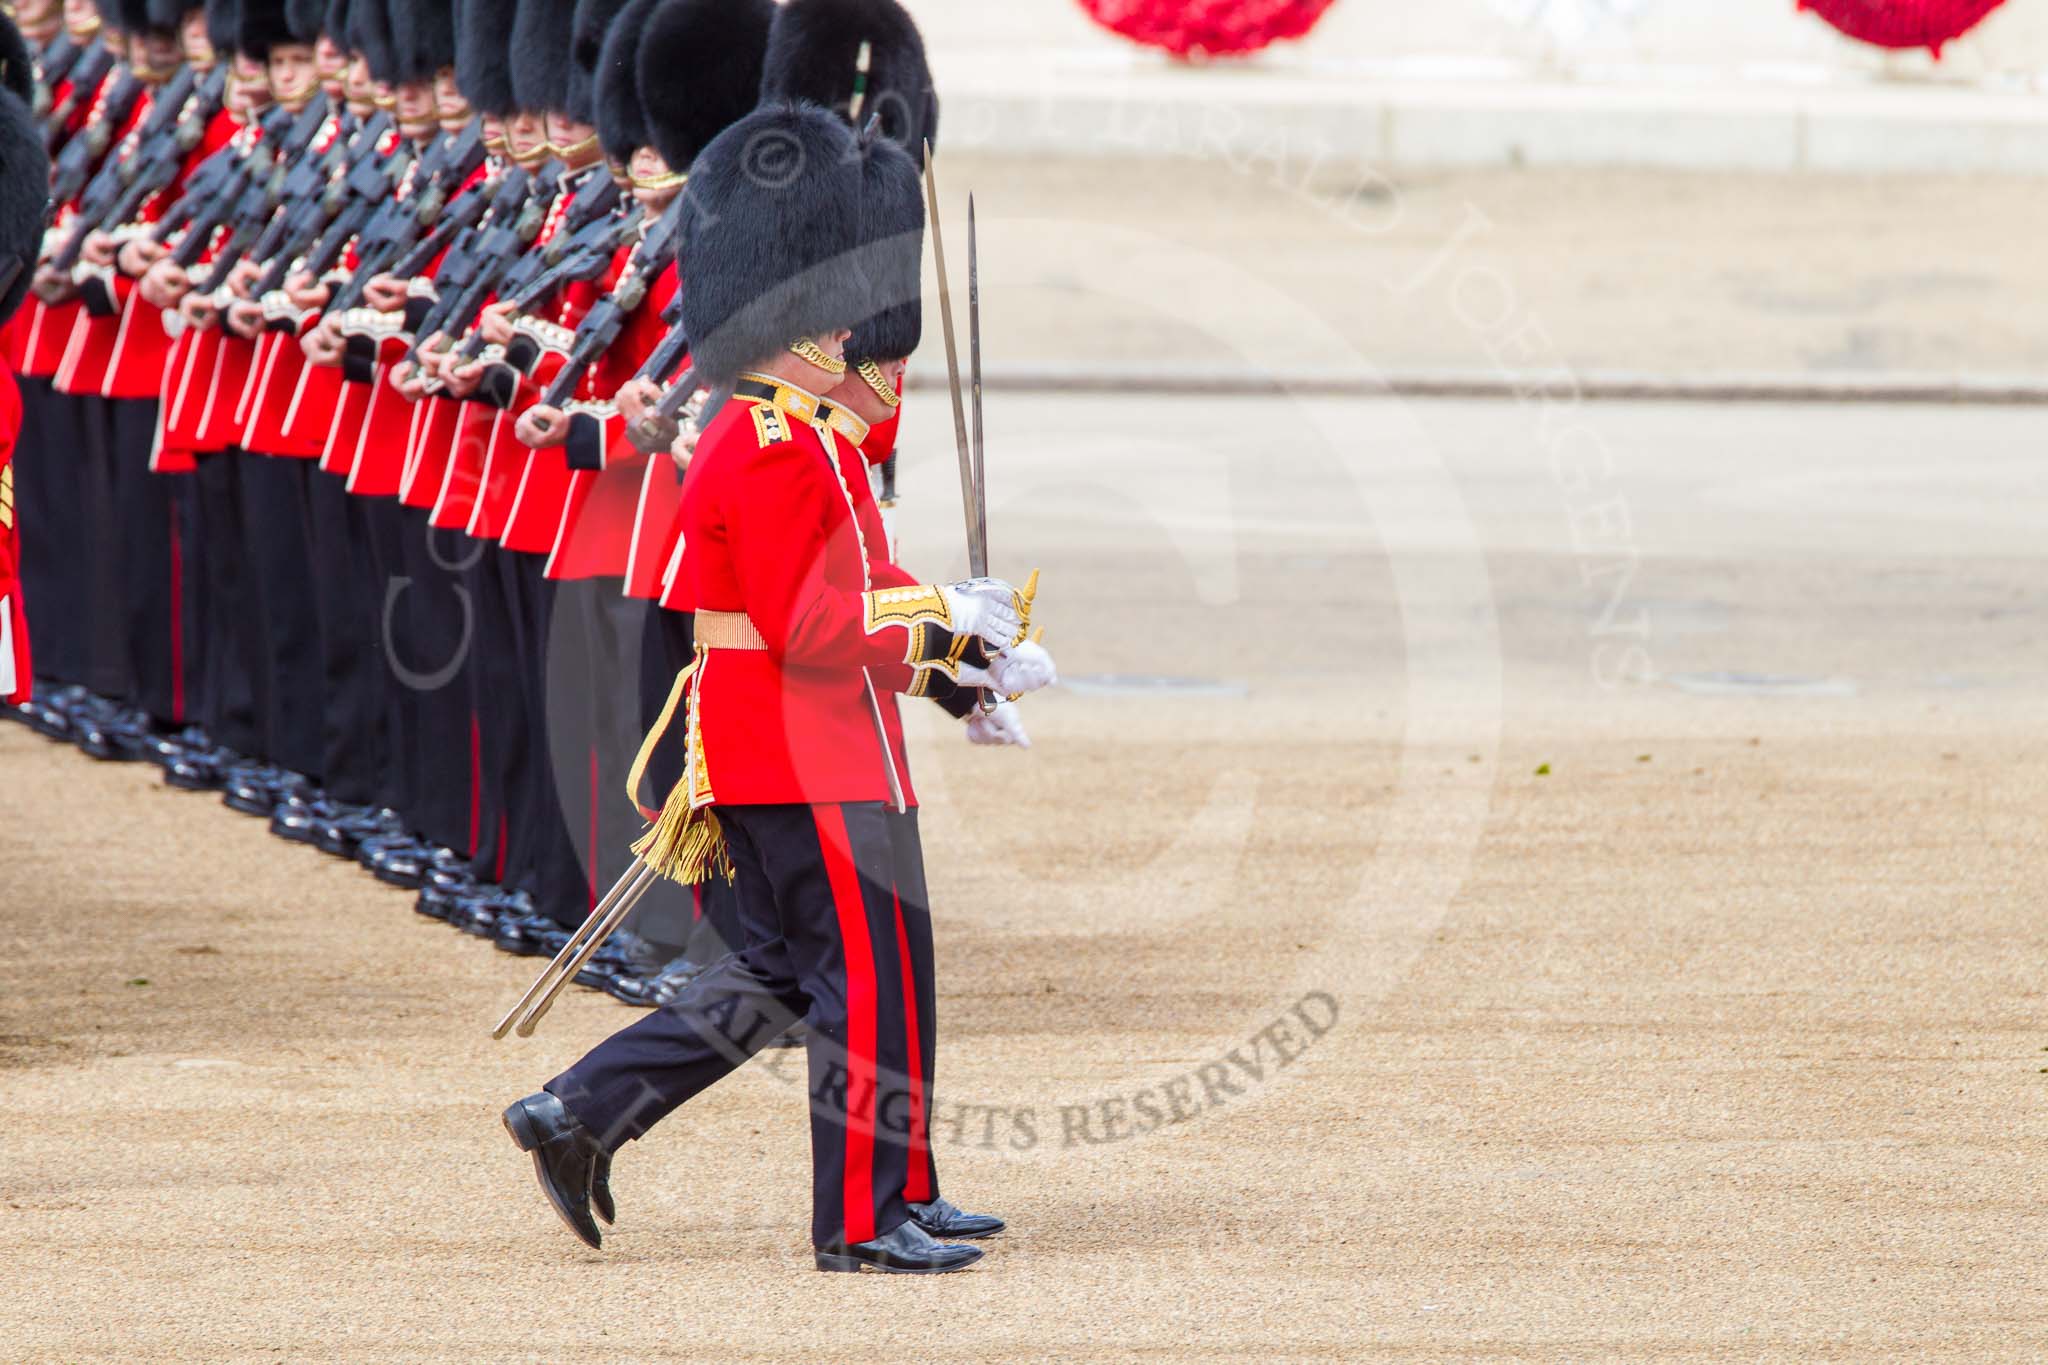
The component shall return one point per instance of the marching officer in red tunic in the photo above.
(804, 631)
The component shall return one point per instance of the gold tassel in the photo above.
(685, 845)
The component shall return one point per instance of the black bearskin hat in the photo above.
(265, 25)
(423, 38)
(24, 173)
(223, 27)
(369, 32)
(483, 33)
(892, 254)
(771, 237)
(540, 55)
(307, 19)
(594, 19)
(17, 63)
(615, 76)
(814, 54)
(699, 70)
(141, 16)
(168, 14)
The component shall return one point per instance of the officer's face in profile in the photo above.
(449, 104)
(415, 110)
(248, 85)
(292, 74)
(193, 38)
(526, 137)
(332, 62)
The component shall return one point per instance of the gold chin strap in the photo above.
(877, 381)
(811, 353)
(588, 144)
(80, 32)
(667, 180)
(384, 101)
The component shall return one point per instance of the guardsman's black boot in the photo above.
(566, 1159)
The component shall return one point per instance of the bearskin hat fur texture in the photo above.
(615, 77)
(483, 30)
(892, 254)
(540, 55)
(369, 32)
(699, 70)
(423, 38)
(17, 63)
(265, 24)
(24, 174)
(771, 237)
(814, 54)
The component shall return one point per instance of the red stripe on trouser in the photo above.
(861, 1004)
(917, 1183)
(177, 619)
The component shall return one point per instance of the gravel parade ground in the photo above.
(1500, 880)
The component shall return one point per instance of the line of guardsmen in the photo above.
(359, 385)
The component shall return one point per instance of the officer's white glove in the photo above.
(1025, 668)
(984, 607)
(1004, 725)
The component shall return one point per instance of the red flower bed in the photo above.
(1903, 23)
(1207, 28)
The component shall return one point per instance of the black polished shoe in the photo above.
(528, 934)
(45, 718)
(345, 835)
(299, 820)
(399, 863)
(654, 989)
(434, 904)
(165, 748)
(200, 771)
(565, 1159)
(482, 910)
(904, 1250)
(941, 1219)
(623, 952)
(256, 788)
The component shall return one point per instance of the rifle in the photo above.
(394, 233)
(266, 170)
(662, 361)
(657, 431)
(84, 152)
(88, 68)
(319, 226)
(581, 247)
(53, 64)
(413, 257)
(492, 252)
(118, 193)
(601, 326)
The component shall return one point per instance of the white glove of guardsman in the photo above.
(1002, 726)
(985, 608)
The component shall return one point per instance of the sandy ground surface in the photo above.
(1663, 829)
(1173, 255)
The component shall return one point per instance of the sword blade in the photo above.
(931, 192)
(979, 503)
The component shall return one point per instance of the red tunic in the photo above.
(17, 675)
(778, 523)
